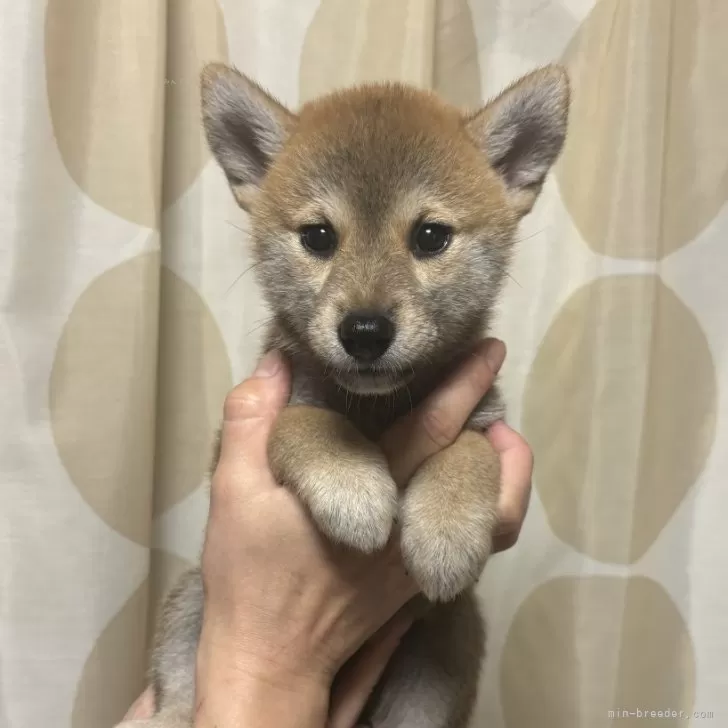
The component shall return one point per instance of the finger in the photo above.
(359, 676)
(143, 706)
(437, 422)
(516, 461)
(250, 411)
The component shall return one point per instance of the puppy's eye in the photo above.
(430, 238)
(320, 239)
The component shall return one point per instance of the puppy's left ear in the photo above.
(245, 126)
(522, 132)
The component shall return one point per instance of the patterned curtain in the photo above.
(127, 314)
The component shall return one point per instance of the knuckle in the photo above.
(229, 486)
(243, 403)
(439, 428)
(481, 377)
(220, 492)
(510, 518)
(506, 541)
(528, 457)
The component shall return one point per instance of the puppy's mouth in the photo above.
(368, 380)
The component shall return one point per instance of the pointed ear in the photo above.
(522, 132)
(245, 128)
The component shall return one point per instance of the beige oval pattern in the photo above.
(106, 70)
(620, 409)
(102, 394)
(456, 66)
(194, 376)
(358, 41)
(196, 36)
(579, 648)
(115, 430)
(645, 166)
(114, 674)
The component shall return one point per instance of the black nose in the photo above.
(366, 335)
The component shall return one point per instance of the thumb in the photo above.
(251, 409)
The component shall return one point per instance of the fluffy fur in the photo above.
(373, 162)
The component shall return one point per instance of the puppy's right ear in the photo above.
(245, 128)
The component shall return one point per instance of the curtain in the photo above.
(127, 314)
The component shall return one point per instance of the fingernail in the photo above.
(495, 354)
(268, 365)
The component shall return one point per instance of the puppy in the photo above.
(382, 223)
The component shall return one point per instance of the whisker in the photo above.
(247, 270)
(406, 386)
(259, 325)
(532, 235)
(409, 397)
(237, 227)
(401, 374)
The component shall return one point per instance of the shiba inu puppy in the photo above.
(382, 220)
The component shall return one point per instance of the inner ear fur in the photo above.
(245, 127)
(522, 131)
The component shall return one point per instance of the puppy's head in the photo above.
(382, 218)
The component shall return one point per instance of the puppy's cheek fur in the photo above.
(291, 296)
(322, 331)
(416, 333)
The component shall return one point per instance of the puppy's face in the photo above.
(383, 218)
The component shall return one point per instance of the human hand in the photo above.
(245, 501)
(438, 421)
(283, 605)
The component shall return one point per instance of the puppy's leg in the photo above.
(174, 656)
(341, 476)
(448, 514)
(432, 679)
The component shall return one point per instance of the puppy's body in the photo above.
(382, 222)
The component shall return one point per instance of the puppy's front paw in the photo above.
(449, 515)
(353, 503)
(443, 557)
(340, 475)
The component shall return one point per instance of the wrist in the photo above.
(232, 701)
(234, 688)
